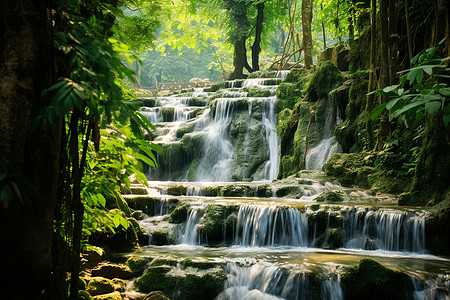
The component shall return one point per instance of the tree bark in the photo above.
(307, 36)
(256, 47)
(385, 127)
(28, 157)
(239, 60)
(408, 32)
(370, 103)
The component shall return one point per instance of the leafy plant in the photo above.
(420, 90)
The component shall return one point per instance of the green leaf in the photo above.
(407, 108)
(432, 107)
(376, 112)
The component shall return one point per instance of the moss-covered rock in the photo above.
(111, 271)
(325, 79)
(156, 295)
(437, 229)
(335, 238)
(207, 286)
(371, 280)
(161, 237)
(263, 74)
(141, 235)
(177, 190)
(145, 204)
(137, 264)
(214, 221)
(257, 92)
(179, 214)
(100, 285)
(156, 279)
(110, 296)
(330, 197)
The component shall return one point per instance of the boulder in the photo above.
(100, 285)
(109, 296)
(137, 264)
(110, 271)
(371, 280)
(156, 295)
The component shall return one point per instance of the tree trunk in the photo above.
(28, 157)
(394, 40)
(307, 36)
(239, 60)
(385, 127)
(323, 30)
(256, 47)
(370, 103)
(408, 32)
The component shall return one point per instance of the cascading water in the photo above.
(263, 281)
(385, 230)
(296, 247)
(218, 151)
(259, 225)
(328, 145)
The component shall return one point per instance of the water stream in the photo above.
(271, 238)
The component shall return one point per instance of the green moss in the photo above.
(214, 222)
(290, 190)
(218, 86)
(168, 113)
(334, 238)
(437, 229)
(212, 191)
(208, 286)
(233, 190)
(159, 261)
(145, 204)
(137, 264)
(330, 196)
(141, 235)
(161, 237)
(202, 265)
(100, 285)
(177, 190)
(156, 279)
(257, 92)
(263, 74)
(371, 280)
(179, 214)
(326, 78)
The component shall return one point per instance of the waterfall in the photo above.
(267, 282)
(259, 225)
(385, 230)
(269, 120)
(328, 145)
(218, 151)
(190, 231)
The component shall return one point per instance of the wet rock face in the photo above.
(109, 270)
(184, 283)
(371, 280)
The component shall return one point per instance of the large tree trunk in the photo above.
(307, 36)
(385, 127)
(28, 157)
(256, 47)
(370, 103)
(239, 60)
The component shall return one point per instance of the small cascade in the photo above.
(218, 151)
(269, 120)
(259, 225)
(385, 230)
(189, 236)
(265, 281)
(283, 74)
(328, 145)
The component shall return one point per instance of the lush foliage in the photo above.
(420, 91)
